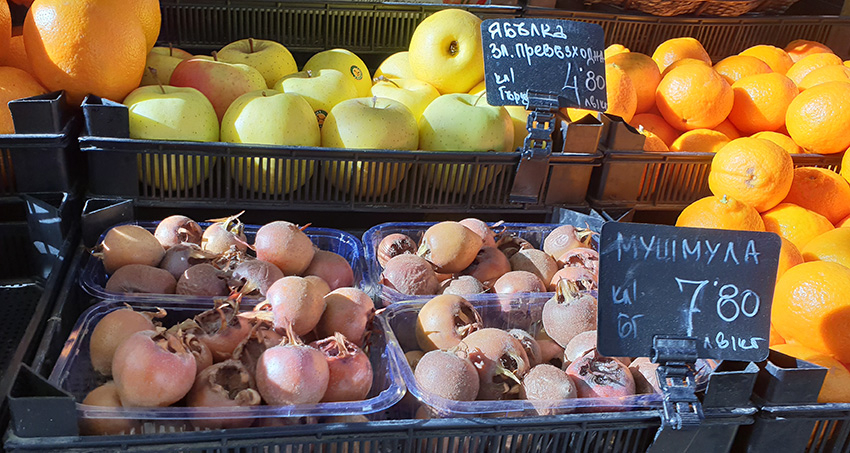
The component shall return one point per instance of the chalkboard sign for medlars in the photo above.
(545, 55)
(712, 285)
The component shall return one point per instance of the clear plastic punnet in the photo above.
(74, 373)
(93, 276)
(534, 233)
(515, 312)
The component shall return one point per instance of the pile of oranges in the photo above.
(80, 46)
(753, 110)
(797, 97)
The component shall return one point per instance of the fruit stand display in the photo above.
(169, 334)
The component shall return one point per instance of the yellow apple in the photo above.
(345, 62)
(396, 66)
(463, 122)
(323, 89)
(413, 93)
(519, 116)
(269, 117)
(369, 123)
(480, 88)
(271, 58)
(446, 51)
(164, 60)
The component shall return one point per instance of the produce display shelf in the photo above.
(720, 36)
(665, 181)
(36, 233)
(43, 155)
(361, 27)
(191, 174)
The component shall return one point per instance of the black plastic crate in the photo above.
(629, 178)
(210, 175)
(361, 27)
(36, 232)
(789, 417)
(721, 37)
(43, 155)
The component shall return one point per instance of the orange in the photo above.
(676, 49)
(789, 256)
(622, 97)
(682, 62)
(818, 119)
(811, 305)
(728, 129)
(834, 246)
(795, 223)
(809, 63)
(775, 338)
(821, 190)
(577, 114)
(150, 17)
(756, 172)
(657, 125)
(761, 101)
(14, 84)
(17, 56)
(736, 67)
(614, 49)
(776, 58)
(5, 28)
(653, 143)
(836, 73)
(700, 141)
(836, 385)
(644, 75)
(722, 213)
(843, 223)
(85, 46)
(694, 97)
(780, 139)
(799, 48)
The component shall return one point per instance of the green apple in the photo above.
(323, 89)
(519, 116)
(271, 58)
(413, 93)
(446, 51)
(269, 117)
(220, 82)
(345, 62)
(164, 60)
(369, 123)
(463, 122)
(172, 113)
(396, 66)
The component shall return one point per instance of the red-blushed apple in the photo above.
(271, 58)
(220, 82)
(446, 51)
(323, 89)
(345, 62)
(162, 112)
(413, 93)
(164, 60)
(463, 122)
(269, 117)
(396, 66)
(369, 123)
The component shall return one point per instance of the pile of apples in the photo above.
(251, 91)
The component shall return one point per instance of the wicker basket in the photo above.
(725, 8)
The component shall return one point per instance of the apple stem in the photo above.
(170, 50)
(264, 93)
(479, 98)
(156, 77)
(374, 101)
(251, 44)
(385, 79)
(214, 55)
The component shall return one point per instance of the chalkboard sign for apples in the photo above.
(545, 55)
(712, 285)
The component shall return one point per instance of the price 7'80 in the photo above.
(728, 307)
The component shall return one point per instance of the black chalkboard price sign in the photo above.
(712, 285)
(545, 55)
